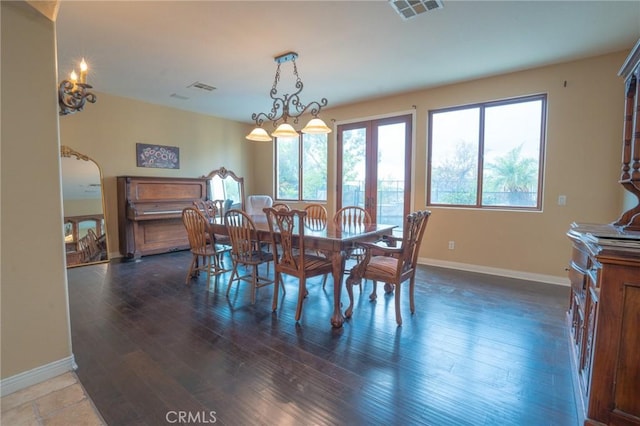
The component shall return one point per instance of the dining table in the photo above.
(333, 240)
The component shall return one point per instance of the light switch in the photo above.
(562, 200)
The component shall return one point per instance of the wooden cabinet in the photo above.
(604, 320)
(604, 308)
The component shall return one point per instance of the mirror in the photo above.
(225, 185)
(85, 232)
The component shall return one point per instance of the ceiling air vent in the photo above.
(408, 9)
(177, 96)
(201, 86)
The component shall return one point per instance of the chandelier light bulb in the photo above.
(285, 130)
(316, 126)
(259, 135)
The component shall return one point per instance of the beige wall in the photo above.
(582, 162)
(35, 314)
(108, 131)
(82, 207)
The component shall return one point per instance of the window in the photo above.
(301, 168)
(488, 155)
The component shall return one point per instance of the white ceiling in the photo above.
(349, 50)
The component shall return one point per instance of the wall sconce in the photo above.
(73, 94)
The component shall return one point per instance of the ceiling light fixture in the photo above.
(72, 93)
(288, 107)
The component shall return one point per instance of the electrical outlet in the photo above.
(452, 245)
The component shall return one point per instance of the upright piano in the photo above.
(150, 213)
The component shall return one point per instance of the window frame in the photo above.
(301, 181)
(482, 106)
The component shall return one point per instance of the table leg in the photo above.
(338, 259)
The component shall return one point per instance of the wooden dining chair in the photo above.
(206, 207)
(351, 217)
(201, 245)
(316, 217)
(392, 264)
(281, 206)
(88, 247)
(213, 210)
(246, 250)
(290, 257)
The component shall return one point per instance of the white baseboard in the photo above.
(547, 279)
(36, 375)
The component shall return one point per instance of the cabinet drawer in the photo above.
(578, 283)
(580, 258)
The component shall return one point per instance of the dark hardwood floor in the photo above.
(480, 350)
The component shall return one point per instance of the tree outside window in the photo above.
(487, 155)
(301, 168)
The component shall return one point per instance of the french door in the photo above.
(374, 167)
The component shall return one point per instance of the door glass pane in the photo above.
(287, 168)
(512, 154)
(353, 166)
(454, 157)
(391, 162)
(314, 167)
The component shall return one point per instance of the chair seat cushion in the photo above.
(256, 256)
(382, 265)
(312, 262)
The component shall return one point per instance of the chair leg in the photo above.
(284, 289)
(276, 292)
(374, 292)
(349, 284)
(254, 283)
(194, 259)
(301, 295)
(208, 266)
(412, 285)
(233, 274)
(398, 314)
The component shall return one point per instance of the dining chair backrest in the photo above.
(316, 217)
(281, 206)
(412, 233)
(88, 247)
(196, 225)
(242, 233)
(218, 208)
(352, 216)
(287, 227)
(207, 207)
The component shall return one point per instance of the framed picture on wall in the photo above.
(157, 156)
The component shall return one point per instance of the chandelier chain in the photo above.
(283, 105)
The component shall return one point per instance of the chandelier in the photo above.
(288, 106)
(73, 94)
